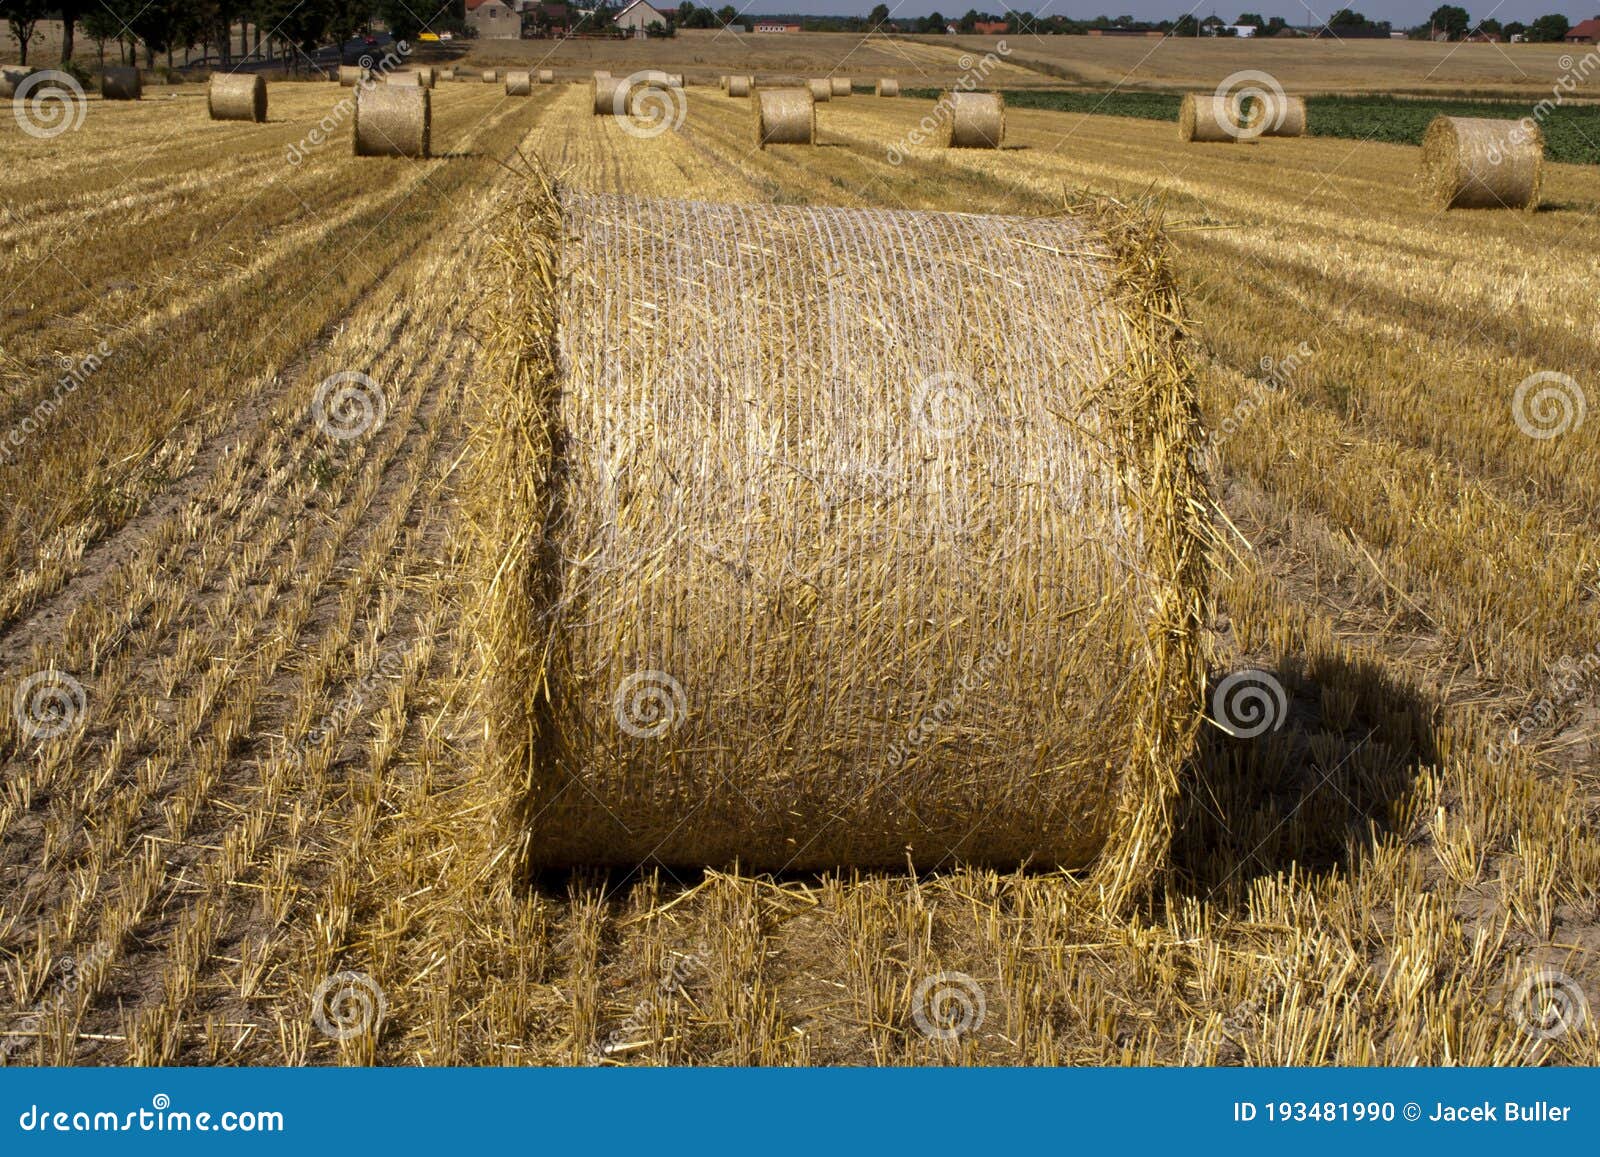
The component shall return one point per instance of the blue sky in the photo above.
(1402, 13)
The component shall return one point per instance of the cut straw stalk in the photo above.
(952, 569)
(1475, 163)
(238, 97)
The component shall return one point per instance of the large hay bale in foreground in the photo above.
(1272, 115)
(785, 116)
(239, 97)
(977, 120)
(10, 78)
(1476, 163)
(886, 87)
(393, 121)
(351, 75)
(740, 86)
(519, 83)
(841, 85)
(1206, 117)
(821, 90)
(889, 547)
(122, 84)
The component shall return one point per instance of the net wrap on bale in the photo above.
(1479, 163)
(237, 97)
(393, 121)
(890, 544)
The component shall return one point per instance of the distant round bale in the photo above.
(605, 91)
(393, 121)
(547, 76)
(447, 74)
(1477, 163)
(10, 78)
(785, 116)
(351, 75)
(237, 97)
(490, 76)
(740, 86)
(887, 87)
(1271, 115)
(1206, 117)
(841, 85)
(518, 83)
(122, 84)
(977, 120)
(821, 90)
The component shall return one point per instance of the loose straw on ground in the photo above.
(1475, 163)
(976, 120)
(237, 97)
(393, 121)
(889, 547)
(785, 116)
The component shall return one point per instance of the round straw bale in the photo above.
(902, 597)
(674, 80)
(976, 120)
(740, 85)
(1205, 117)
(237, 97)
(518, 83)
(447, 74)
(1273, 116)
(722, 82)
(785, 116)
(351, 75)
(887, 87)
(606, 90)
(821, 90)
(10, 78)
(841, 85)
(490, 76)
(121, 84)
(393, 121)
(1476, 163)
(547, 76)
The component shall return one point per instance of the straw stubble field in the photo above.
(274, 772)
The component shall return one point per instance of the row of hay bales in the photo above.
(1467, 162)
(115, 83)
(821, 88)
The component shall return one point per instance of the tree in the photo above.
(21, 16)
(1450, 19)
(101, 23)
(71, 12)
(1491, 26)
(1548, 29)
(1275, 25)
(1346, 18)
(402, 20)
(878, 18)
(1515, 28)
(727, 15)
(1250, 20)
(1186, 25)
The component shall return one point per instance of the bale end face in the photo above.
(239, 97)
(393, 121)
(122, 84)
(973, 120)
(1480, 163)
(785, 116)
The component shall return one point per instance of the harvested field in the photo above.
(245, 746)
